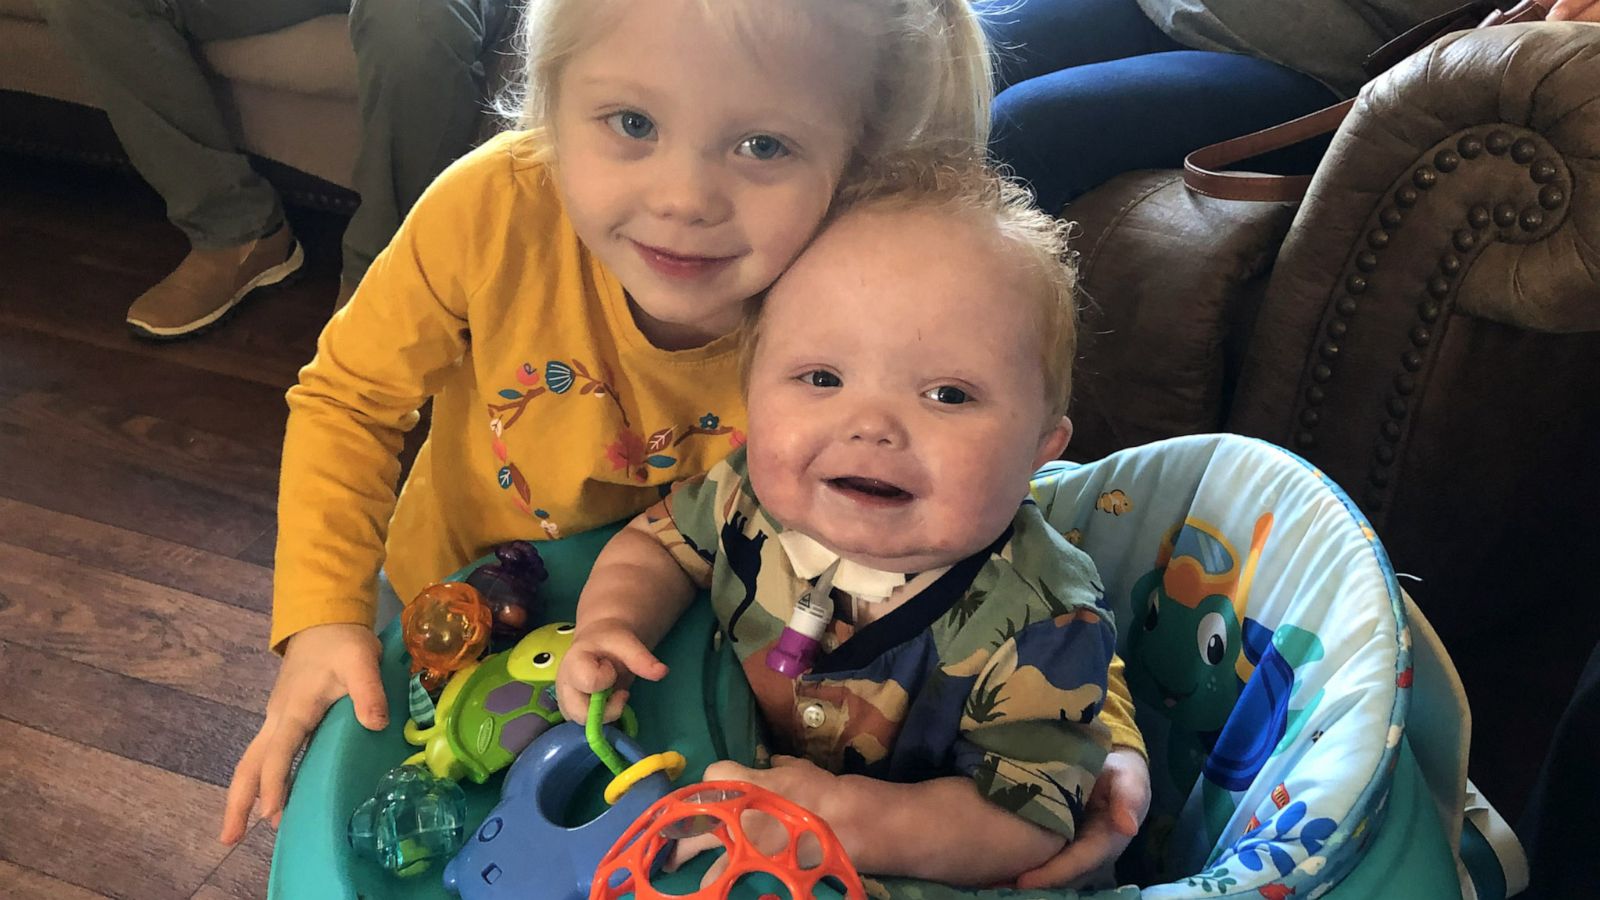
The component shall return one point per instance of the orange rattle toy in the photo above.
(446, 629)
(718, 806)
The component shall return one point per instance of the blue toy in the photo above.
(521, 847)
(411, 819)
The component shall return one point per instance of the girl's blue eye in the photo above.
(947, 394)
(821, 378)
(632, 124)
(763, 146)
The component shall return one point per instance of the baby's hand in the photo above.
(320, 665)
(605, 653)
(795, 779)
(1117, 804)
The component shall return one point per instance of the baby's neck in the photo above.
(864, 613)
(873, 591)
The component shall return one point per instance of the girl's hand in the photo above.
(605, 653)
(1117, 805)
(1575, 11)
(797, 780)
(320, 665)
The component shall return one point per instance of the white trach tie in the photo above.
(809, 559)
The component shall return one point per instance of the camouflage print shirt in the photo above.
(995, 670)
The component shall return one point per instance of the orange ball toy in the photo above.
(720, 805)
(446, 628)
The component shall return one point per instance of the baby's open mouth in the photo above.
(871, 487)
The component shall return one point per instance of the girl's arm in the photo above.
(1117, 713)
(399, 340)
(377, 362)
(634, 594)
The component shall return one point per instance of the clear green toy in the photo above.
(411, 820)
(492, 709)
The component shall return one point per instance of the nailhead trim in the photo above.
(1480, 217)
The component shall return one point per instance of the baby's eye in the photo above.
(821, 378)
(763, 146)
(944, 393)
(632, 124)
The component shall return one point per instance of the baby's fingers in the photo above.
(583, 673)
(688, 848)
(573, 702)
(586, 672)
(614, 705)
(637, 658)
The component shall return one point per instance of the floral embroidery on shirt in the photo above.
(631, 451)
(561, 378)
(558, 377)
(638, 456)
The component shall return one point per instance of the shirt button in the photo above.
(813, 715)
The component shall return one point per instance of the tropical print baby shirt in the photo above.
(995, 670)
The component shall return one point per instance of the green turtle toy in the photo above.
(492, 709)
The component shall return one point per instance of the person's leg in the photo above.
(422, 101)
(1037, 37)
(1071, 130)
(138, 57)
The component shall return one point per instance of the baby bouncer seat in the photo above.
(1306, 731)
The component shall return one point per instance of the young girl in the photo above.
(930, 653)
(566, 295)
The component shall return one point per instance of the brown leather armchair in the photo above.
(1424, 327)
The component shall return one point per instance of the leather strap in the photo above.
(1202, 168)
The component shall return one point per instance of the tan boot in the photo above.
(208, 284)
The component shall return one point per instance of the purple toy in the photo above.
(510, 587)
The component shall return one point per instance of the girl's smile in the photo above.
(680, 266)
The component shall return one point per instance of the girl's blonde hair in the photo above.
(931, 74)
(952, 180)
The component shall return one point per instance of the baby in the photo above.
(928, 651)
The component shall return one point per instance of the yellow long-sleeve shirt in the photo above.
(552, 414)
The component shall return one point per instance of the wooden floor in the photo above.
(137, 488)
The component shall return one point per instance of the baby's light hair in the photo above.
(948, 179)
(931, 78)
